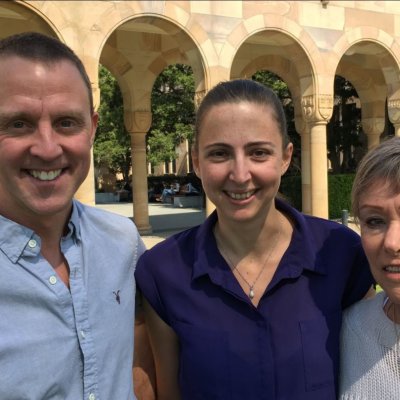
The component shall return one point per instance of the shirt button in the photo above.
(92, 396)
(53, 280)
(32, 243)
(83, 336)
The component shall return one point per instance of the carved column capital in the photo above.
(394, 110)
(137, 121)
(373, 126)
(317, 107)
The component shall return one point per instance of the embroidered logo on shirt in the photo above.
(117, 296)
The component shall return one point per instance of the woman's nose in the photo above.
(240, 171)
(392, 238)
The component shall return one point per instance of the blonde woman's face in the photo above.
(379, 214)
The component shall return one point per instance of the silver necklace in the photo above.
(234, 267)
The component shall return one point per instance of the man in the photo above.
(66, 270)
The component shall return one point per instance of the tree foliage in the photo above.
(344, 128)
(172, 112)
(112, 147)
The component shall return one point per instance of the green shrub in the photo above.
(290, 190)
(339, 192)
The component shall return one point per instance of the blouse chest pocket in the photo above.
(320, 343)
(204, 367)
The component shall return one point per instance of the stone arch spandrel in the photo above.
(316, 94)
(362, 34)
(281, 67)
(140, 48)
(32, 18)
(269, 22)
(169, 16)
(377, 83)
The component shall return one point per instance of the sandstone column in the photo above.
(86, 192)
(304, 132)
(319, 170)
(317, 109)
(141, 121)
(397, 129)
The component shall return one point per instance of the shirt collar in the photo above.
(74, 226)
(15, 238)
(207, 257)
(299, 256)
(301, 253)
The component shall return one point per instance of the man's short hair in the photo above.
(38, 47)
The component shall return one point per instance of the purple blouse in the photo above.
(288, 346)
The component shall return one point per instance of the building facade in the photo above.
(306, 43)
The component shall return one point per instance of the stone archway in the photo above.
(136, 52)
(372, 66)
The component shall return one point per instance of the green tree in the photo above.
(112, 147)
(343, 130)
(162, 147)
(172, 112)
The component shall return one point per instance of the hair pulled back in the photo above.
(238, 91)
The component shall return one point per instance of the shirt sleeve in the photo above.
(148, 287)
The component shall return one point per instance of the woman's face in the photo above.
(379, 212)
(240, 160)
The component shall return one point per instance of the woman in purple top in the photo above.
(248, 305)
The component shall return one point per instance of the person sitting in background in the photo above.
(370, 340)
(189, 190)
(168, 192)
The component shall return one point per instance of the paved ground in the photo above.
(164, 219)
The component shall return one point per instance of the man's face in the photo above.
(46, 133)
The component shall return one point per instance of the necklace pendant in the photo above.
(251, 293)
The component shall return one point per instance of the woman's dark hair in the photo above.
(242, 90)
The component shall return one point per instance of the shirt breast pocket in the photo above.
(204, 366)
(320, 342)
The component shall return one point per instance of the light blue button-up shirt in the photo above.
(62, 344)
